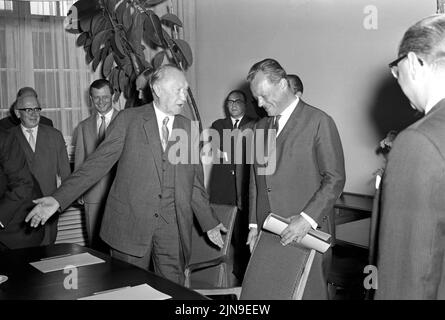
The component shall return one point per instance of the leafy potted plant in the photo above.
(114, 35)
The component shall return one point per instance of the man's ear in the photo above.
(156, 89)
(17, 113)
(283, 84)
(415, 66)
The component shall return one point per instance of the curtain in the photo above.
(36, 51)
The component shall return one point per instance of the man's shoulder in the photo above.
(312, 111)
(50, 131)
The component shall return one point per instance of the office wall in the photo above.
(342, 63)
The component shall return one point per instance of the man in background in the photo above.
(229, 181)
(12, 120)
(89, 134)
(152, 201)
(45, 152)
(296, 84)
(17, 189)
(309, 172)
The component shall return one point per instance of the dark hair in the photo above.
(425, 38)
(159, 73)
(99, 84)
(239, 92)
(295, 83)
(270, 67)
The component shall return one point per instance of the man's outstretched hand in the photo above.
(44, 209)
(215, 235)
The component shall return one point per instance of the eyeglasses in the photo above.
(237, 101)
(394, 65)
(31, 110)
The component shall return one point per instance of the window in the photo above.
(5, 5)
(36, 51)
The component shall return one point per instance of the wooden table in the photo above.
(27, 283)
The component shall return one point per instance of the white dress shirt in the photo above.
(160, 116)
(108, 117)
(234, 120)
(26, 133)
(285, 115)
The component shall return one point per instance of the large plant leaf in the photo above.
(81, 39)
(80, 15)
(152, 3)
(96, 61)
(116, 97)
(117, 45)
(150, 34)
(99, 23)
(156, 22)
(158, 59)
(123, 81)
(127, 18)
(120, 9)
(185, 50)
(85, 24)
(88, 41)
(171, 19)
(128, 68)
(116, 79)
(99, 41)
(111, 5)
(88, 56)
(108, 65)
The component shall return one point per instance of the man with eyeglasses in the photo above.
(411, 238)
(12, 121)
(88, 135)
(229, 181)
(45, 152)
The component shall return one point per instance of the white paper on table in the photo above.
(73, 260)
(140, 292)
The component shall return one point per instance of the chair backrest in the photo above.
(276, 272)
(204, 250)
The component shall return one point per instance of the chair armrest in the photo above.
(206, 264)
(221, 291)
(202, 265)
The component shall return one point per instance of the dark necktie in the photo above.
(101, 135)
(276, 123)
(235, 125)
(164, 129)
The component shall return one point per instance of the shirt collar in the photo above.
(289, 109)
(107, 115)
(25, 130)
(234, 119)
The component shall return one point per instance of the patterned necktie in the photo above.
(101, 134)
(235, 125)
(164, 138)
(31, 140)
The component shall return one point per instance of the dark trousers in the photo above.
(164, 251)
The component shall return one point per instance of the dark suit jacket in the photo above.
(49, 160)
(411, 242)
(17, 190)
(310, 172)
(226, 185)
(86, 142)
(10, 122)
(133, 140)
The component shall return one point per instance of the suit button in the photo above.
(269, 189)
(232, 172)
(156, 215)
(160, 196)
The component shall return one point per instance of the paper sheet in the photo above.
(140, 292)
(75, 260)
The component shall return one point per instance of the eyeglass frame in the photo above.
(31, 110)
(396, 62)
(237, 101)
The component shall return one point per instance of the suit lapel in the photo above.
(152, 135)
(25, 145)
(91, 129)
(292, 122)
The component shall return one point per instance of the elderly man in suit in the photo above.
(12, 120)
(150, 207)
(89, 134)
(17, 189)
(229, 180)
(411, 239)
(45, 152)
(308, 174)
